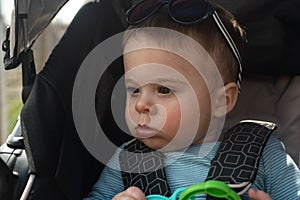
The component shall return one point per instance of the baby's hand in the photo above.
(132, 193)
(258, 195)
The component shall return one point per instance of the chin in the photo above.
(160, 145)
(153, 143)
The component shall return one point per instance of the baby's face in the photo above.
(166, 97)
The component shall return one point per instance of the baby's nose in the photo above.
(143, 104)
(144, 119)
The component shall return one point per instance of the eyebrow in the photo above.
(129, 80)
(159, 80)
(170, 80)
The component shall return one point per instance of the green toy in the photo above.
(212, 187)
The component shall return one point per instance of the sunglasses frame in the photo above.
(210, 12)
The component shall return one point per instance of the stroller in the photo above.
(44, 157)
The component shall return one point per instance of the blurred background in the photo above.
(11, 80)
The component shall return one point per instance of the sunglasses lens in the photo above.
(189, 11)
(142, 10)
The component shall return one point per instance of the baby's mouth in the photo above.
(145, 132)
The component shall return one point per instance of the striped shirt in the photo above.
(277, 175)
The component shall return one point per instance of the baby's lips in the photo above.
(145, 132)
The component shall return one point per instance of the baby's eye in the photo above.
(164, 90)
(133, 90)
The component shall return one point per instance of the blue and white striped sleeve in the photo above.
(110, 181)
(278, 175)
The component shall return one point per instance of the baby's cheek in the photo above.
(130, 116)
(173, 122)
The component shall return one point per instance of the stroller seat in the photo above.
(64, 169)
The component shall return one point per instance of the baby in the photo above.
(182, 61)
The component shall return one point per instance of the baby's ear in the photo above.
(226, 99)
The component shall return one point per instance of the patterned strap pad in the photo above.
(144, 168)
(237, 160)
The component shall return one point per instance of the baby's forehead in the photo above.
(175, 43)
(165, 39)
(160, 38)
(147, 53)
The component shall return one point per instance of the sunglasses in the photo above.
(184, 12)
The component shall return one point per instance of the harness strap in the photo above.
(144, 168)
(237, 159)
(236, 162)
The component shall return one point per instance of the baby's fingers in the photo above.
(132, 193)
(136, 192)
(258, 195)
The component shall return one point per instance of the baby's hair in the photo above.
(207, 34)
